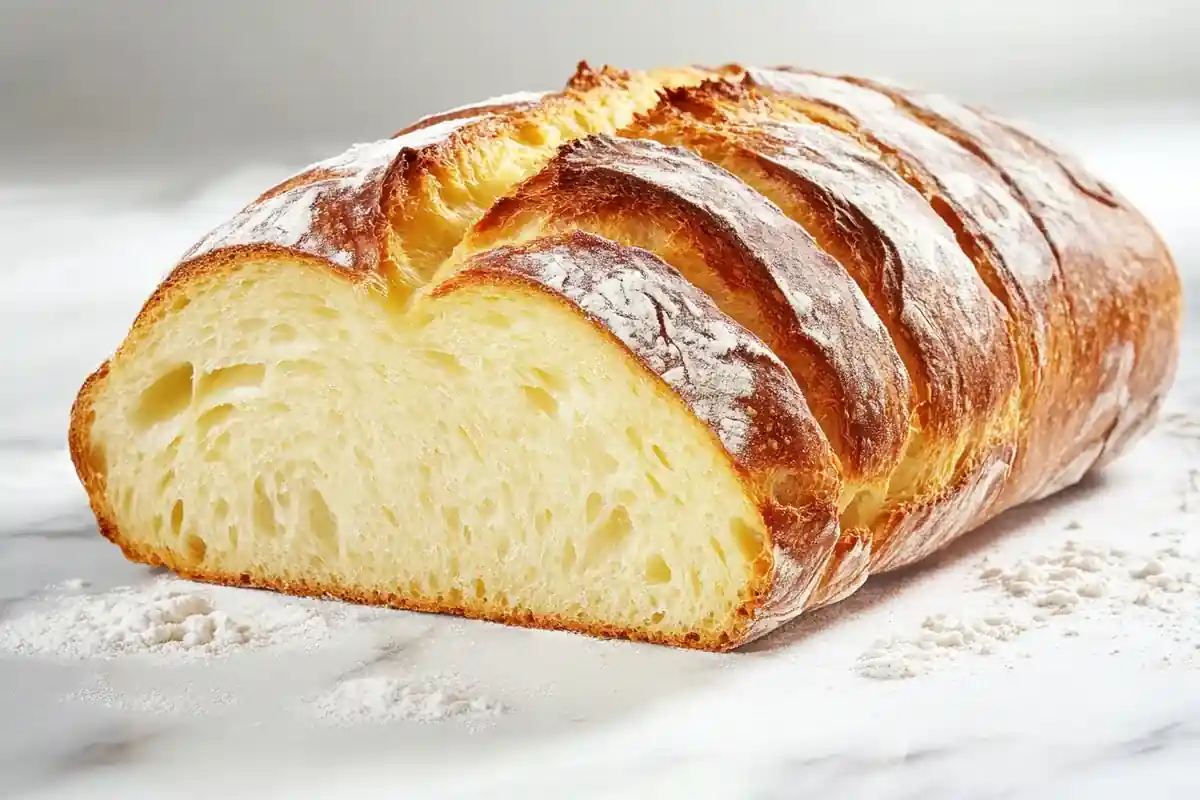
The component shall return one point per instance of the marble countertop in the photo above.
(1091, 705)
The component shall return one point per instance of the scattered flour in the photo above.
(74, 585)
(378, 699)
(940, 635)
(177, 621)
(154, 701)
(169, 618)
(1075, 579)
(1190, 503)
(1181, 425)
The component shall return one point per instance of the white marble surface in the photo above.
(1090, 705)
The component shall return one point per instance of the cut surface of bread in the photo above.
(670, 356)
(289, 430)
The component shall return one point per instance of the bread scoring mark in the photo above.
(806, 275)
(966, 181)
(331, 209)
(923, 248)
(1036, 180)
(927, 528)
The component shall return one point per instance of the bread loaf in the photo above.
(671, 356)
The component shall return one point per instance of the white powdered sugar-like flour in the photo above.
(178, 621)
(151, 701)
(379, 699)
(1076, 580)
(168, 618)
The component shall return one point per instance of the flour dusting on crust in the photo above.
(978, 193)
(510, 100)
(692, 352)
(332, 208)
(936, 273)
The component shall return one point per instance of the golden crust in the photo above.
(993, 229)
(1116, 281)
(1124, 291)
(870, 219)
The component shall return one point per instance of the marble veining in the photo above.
(1092, 706)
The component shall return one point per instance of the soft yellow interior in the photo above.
(488, 450)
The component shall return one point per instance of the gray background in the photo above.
(103, 83)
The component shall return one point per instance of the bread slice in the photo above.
(760, 267)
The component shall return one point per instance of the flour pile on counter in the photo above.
(169, 617)
(942, 635)
(1181, 425)
(1076, 578)
(1062, 580)
(389, 699)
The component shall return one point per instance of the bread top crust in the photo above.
(948, 326)
(974, 191)
(340, 209)
(994, 227)
(820, 323)
(333, 209)
(1115, 269)
(724, 375)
